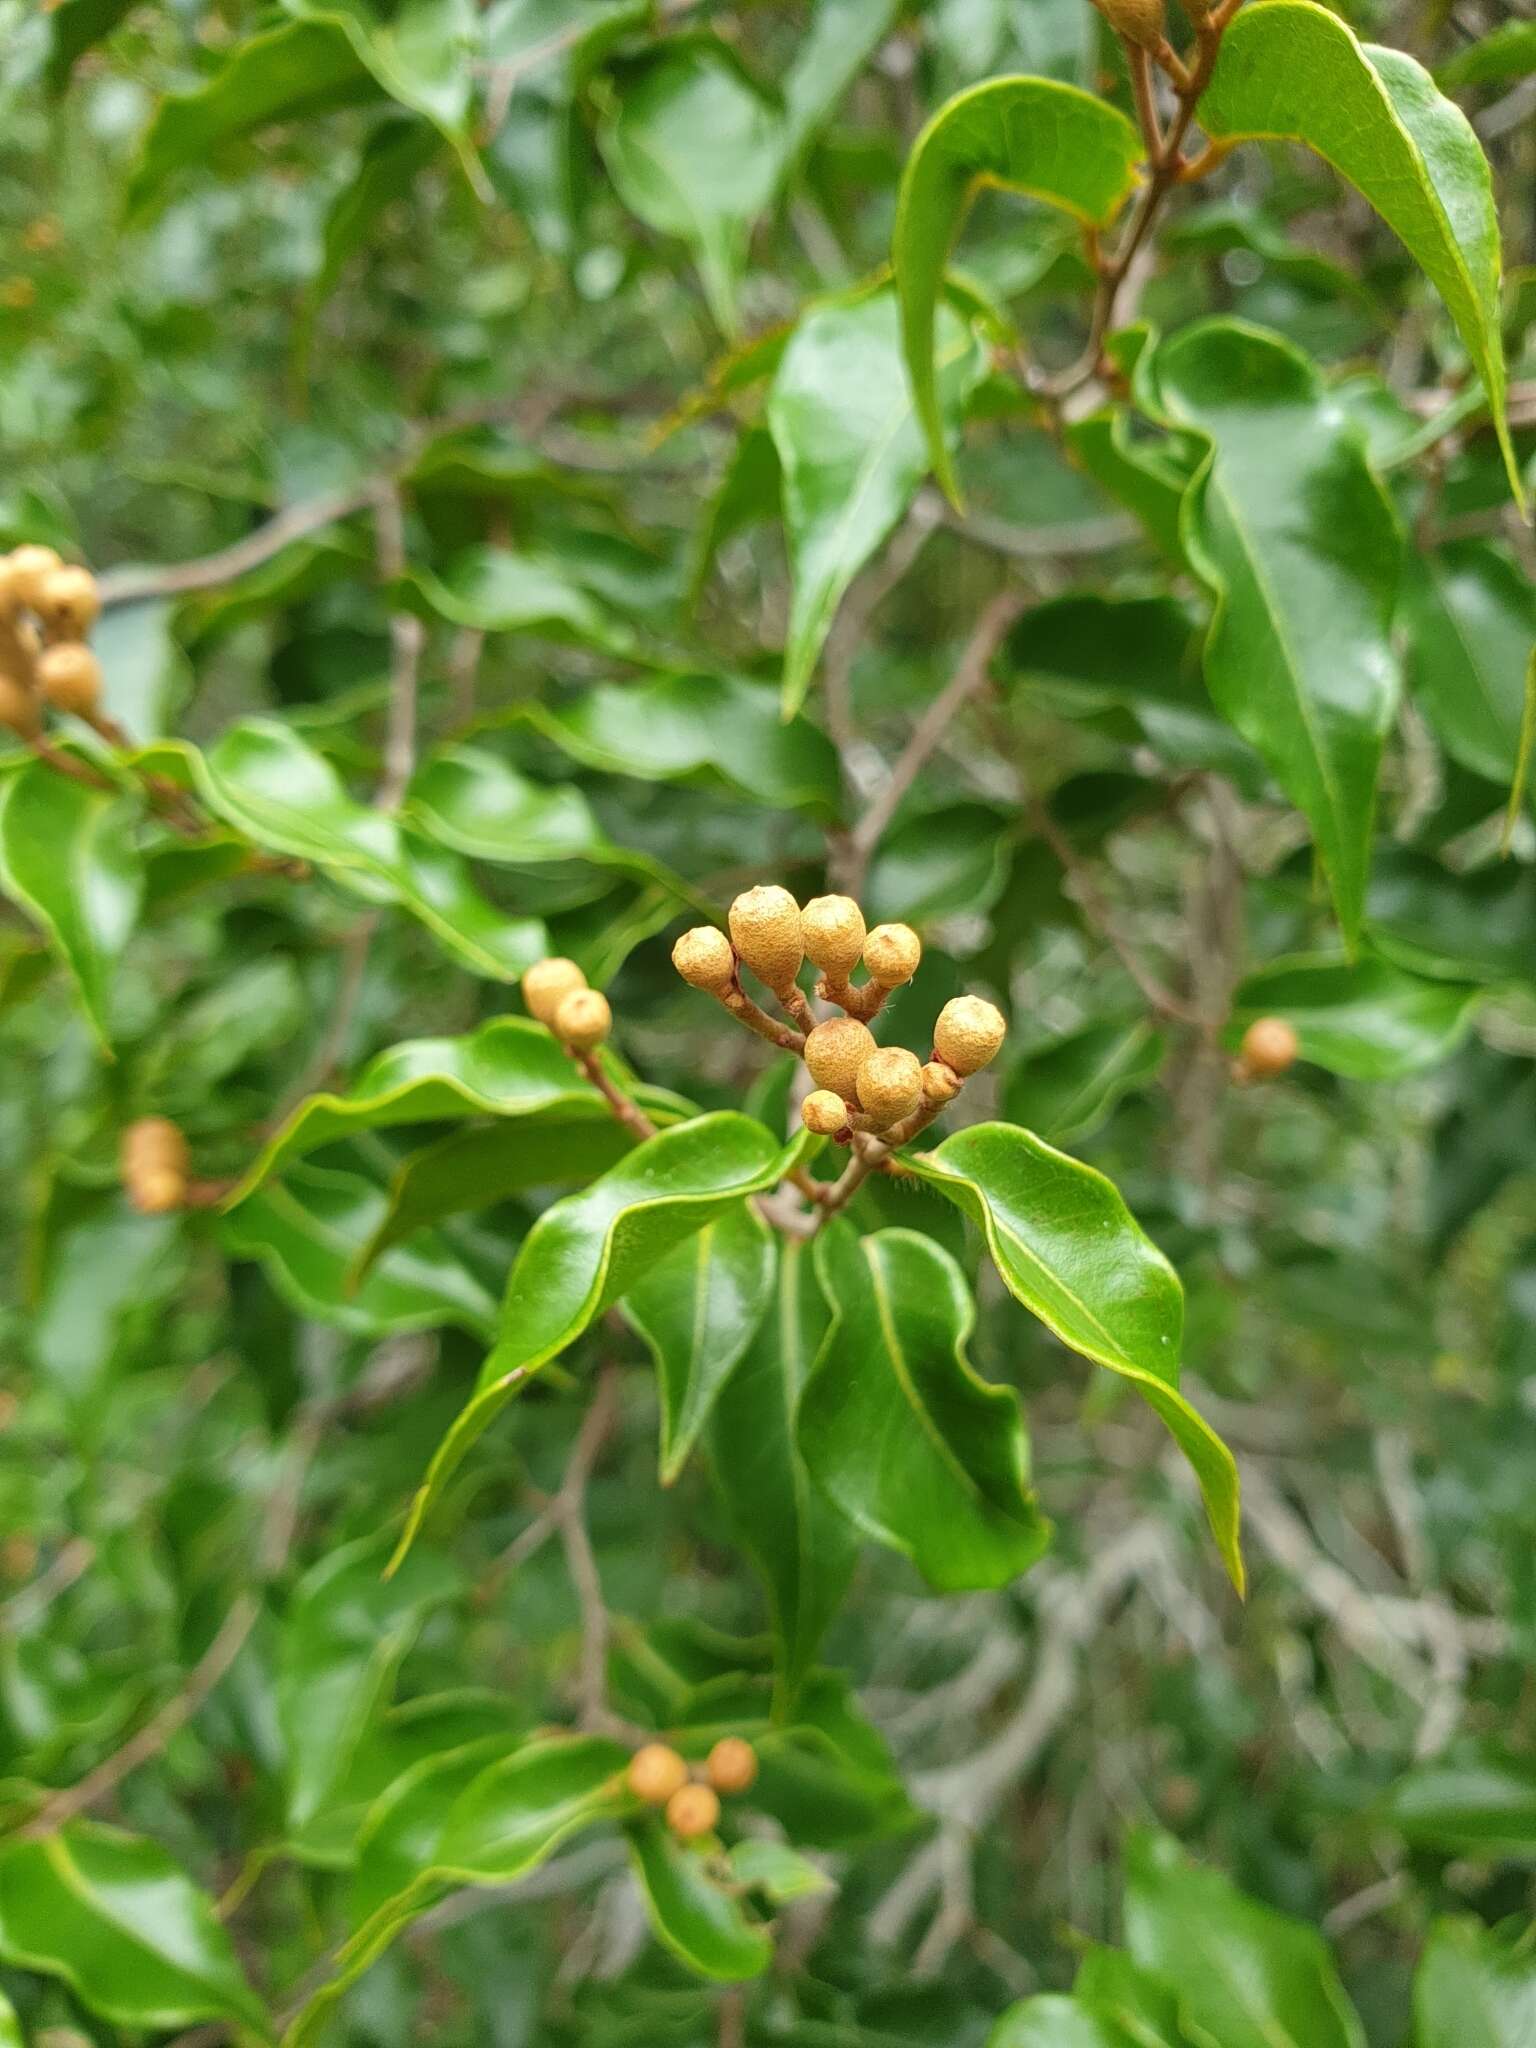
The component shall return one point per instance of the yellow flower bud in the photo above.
(583, 1019)
(765, 930)
(69, 676)
(68, 602)
(692, 1811)
(19, 708)
(891, 1083)
(157, 1193)
(655, 1772)
(835, 1051)
(892, 953)
(824, 1113)
(547, 983)
(968, 1034)
(704, 959)
(152, 1142)
(731, 1765)
(30, 567)
(833, 931)
(1269, 1046)
(941, 1083)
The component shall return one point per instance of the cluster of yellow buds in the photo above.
(47, 609)
(860, 1086)
(691, 1797)
(155, 1163)
(556, 992)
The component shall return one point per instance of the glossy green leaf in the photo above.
(1294, 537)
(777, 1871)
(1365, 1019)
(898, 1429)
(1506, 52)
(1477, 926)
(941, 863)
(694, 147)
(1138, 2000)
(421, 52)
(10, 2026)
(123, 1926)
(828, 1778)
(698, 1309)
(67, 858)
(851, 450)
(1292, 70)
(311, 1232)
(1051, 2021)
(1069, 1249)
(1481, 1805)
(492, 590)
(510, 1068)
(1148, 477)
(1032, 135)
(803, 1549)
(1472, 615)
(402, 1831)
(588, 1250)
(1066, 1089)
(696, 1916)
(1474, 1988)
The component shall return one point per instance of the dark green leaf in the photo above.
(697, 1917)
(1479, 926)
(1474, 1989)
(941, 864)
(1064, 1090)
(1365, 1019)
(1482, 1805)
(1473, 618)
(492, 590)
(1508, 51)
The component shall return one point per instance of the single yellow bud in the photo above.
(1269, 1046)
(19, 708)
(547, 983)
(153, 1144)
(68, 602)
(69, 676)
(835, 1051)
(704, 959)
(941, 1083)
(731, 1765)
(655, 1772)
(765, 930)
(158, 1192)
(1139, 21)
(892, 953)
(968, 1034)
(583, 1019)
(891, 1083)
(31, 566)
(833, 931)
(693, 1810)
(824, 1113)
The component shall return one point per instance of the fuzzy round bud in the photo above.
(1269, 1046)
(655, 1773)
(824, 1113)
(68, 602)
(19, 708)
(30, 568)
(891, 1083)
(968, 1034)
(69, 676)
(731, 1765)
(765, 930)
(1139, 21)
(835, 1051)
(158, 1192)
(153, 1144)
(941, 1083)
(704, 959)
(832, 928)
(583, 1019)
(692, 1811)
(546, 985)
(892, 953)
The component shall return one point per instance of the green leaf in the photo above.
(803, 1549)
(1478, 926)
(311, 1232)
(1474, 1989)
(123, 1926)
(1364, 1019)
(851, 451)
(511, 1068)
(10, 2026)
(1051, 2021)
(698, 1309)
(1146, 476)
(492, 590)
(941, 863)
(1140, 2001)
(1296, 72)
(898, 1429)
(777, 1871)
(402, 1831)
(421, 52)
(588, 1250)
(74, 27)
(1481, 1805)
(1246, 1976)
(828, 1779)
(828, 57)
(1509, 51)
(699, 1919)
(1069, 1249)
(67, 857)
(1472, 618)
(1032, 135)
(1067, 1089)
(694, 147)
(1298, 544)
(1523, 752)
(395, 155)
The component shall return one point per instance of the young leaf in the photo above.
(1298, 544)
(124, 1927)
(1474, 1989)
(1245, 1975)
(698, 1918)
(698, 1309)
(1032, 135)
(897, 1428)
(1365, 1019)
(589, 1249)
(802, 1547)
(1069, 1249)
(1292, 70)
(68, 859)
(851, 451)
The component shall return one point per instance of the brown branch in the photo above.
(407, 638)
(741, 1006)
(206, 572)
(74, 1559)
(628, 1112)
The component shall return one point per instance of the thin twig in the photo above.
(407, 637)
(73, 1560)
(207, 572)
(629, 1113)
